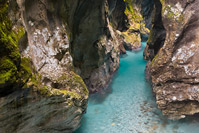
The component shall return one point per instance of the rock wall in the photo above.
(10, 72)
(111, 26)
(174, 69)
(157, 33)
(39, 90)
(46, 45)
(51, 42)
(138, 15)
(147, 11)
(94, 46)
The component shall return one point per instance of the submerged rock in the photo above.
(173, 49)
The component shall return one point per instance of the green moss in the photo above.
(130, 37)
(131, 12)
(73, 81)
(167, 11)
(9, 45)
(181, 18)
(153, 61)
(8, 71)
(17, 34)
(72, 86)
(162, 2)
(135, 21)
(25, 64)
(44, 90)
(78, 79)
(24, 72)
(9, 52)
(170, 15)
(48, 91)
(150, 36)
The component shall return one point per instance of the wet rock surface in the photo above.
(174, 53)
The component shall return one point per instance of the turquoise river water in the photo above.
(128, 105)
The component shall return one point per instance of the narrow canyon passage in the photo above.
(55, 56)
(128, 106)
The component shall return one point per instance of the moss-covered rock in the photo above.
(69, 84)
(8, 71)
(38, 87)
(132, 40)
(136, 28)
(9, 52)
(132, 11)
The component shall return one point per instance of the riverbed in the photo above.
(128, 105)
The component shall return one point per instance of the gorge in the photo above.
(72, 64)
(128, 105)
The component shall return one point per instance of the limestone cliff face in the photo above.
(48, 39)
(10, 69)
(157, 33)
(138, 18)
(39, 90)
(50, 49)
(42, 110)
(147, 11)
(101, 30)
(174, 69)
(94, 46)
(52, 43)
